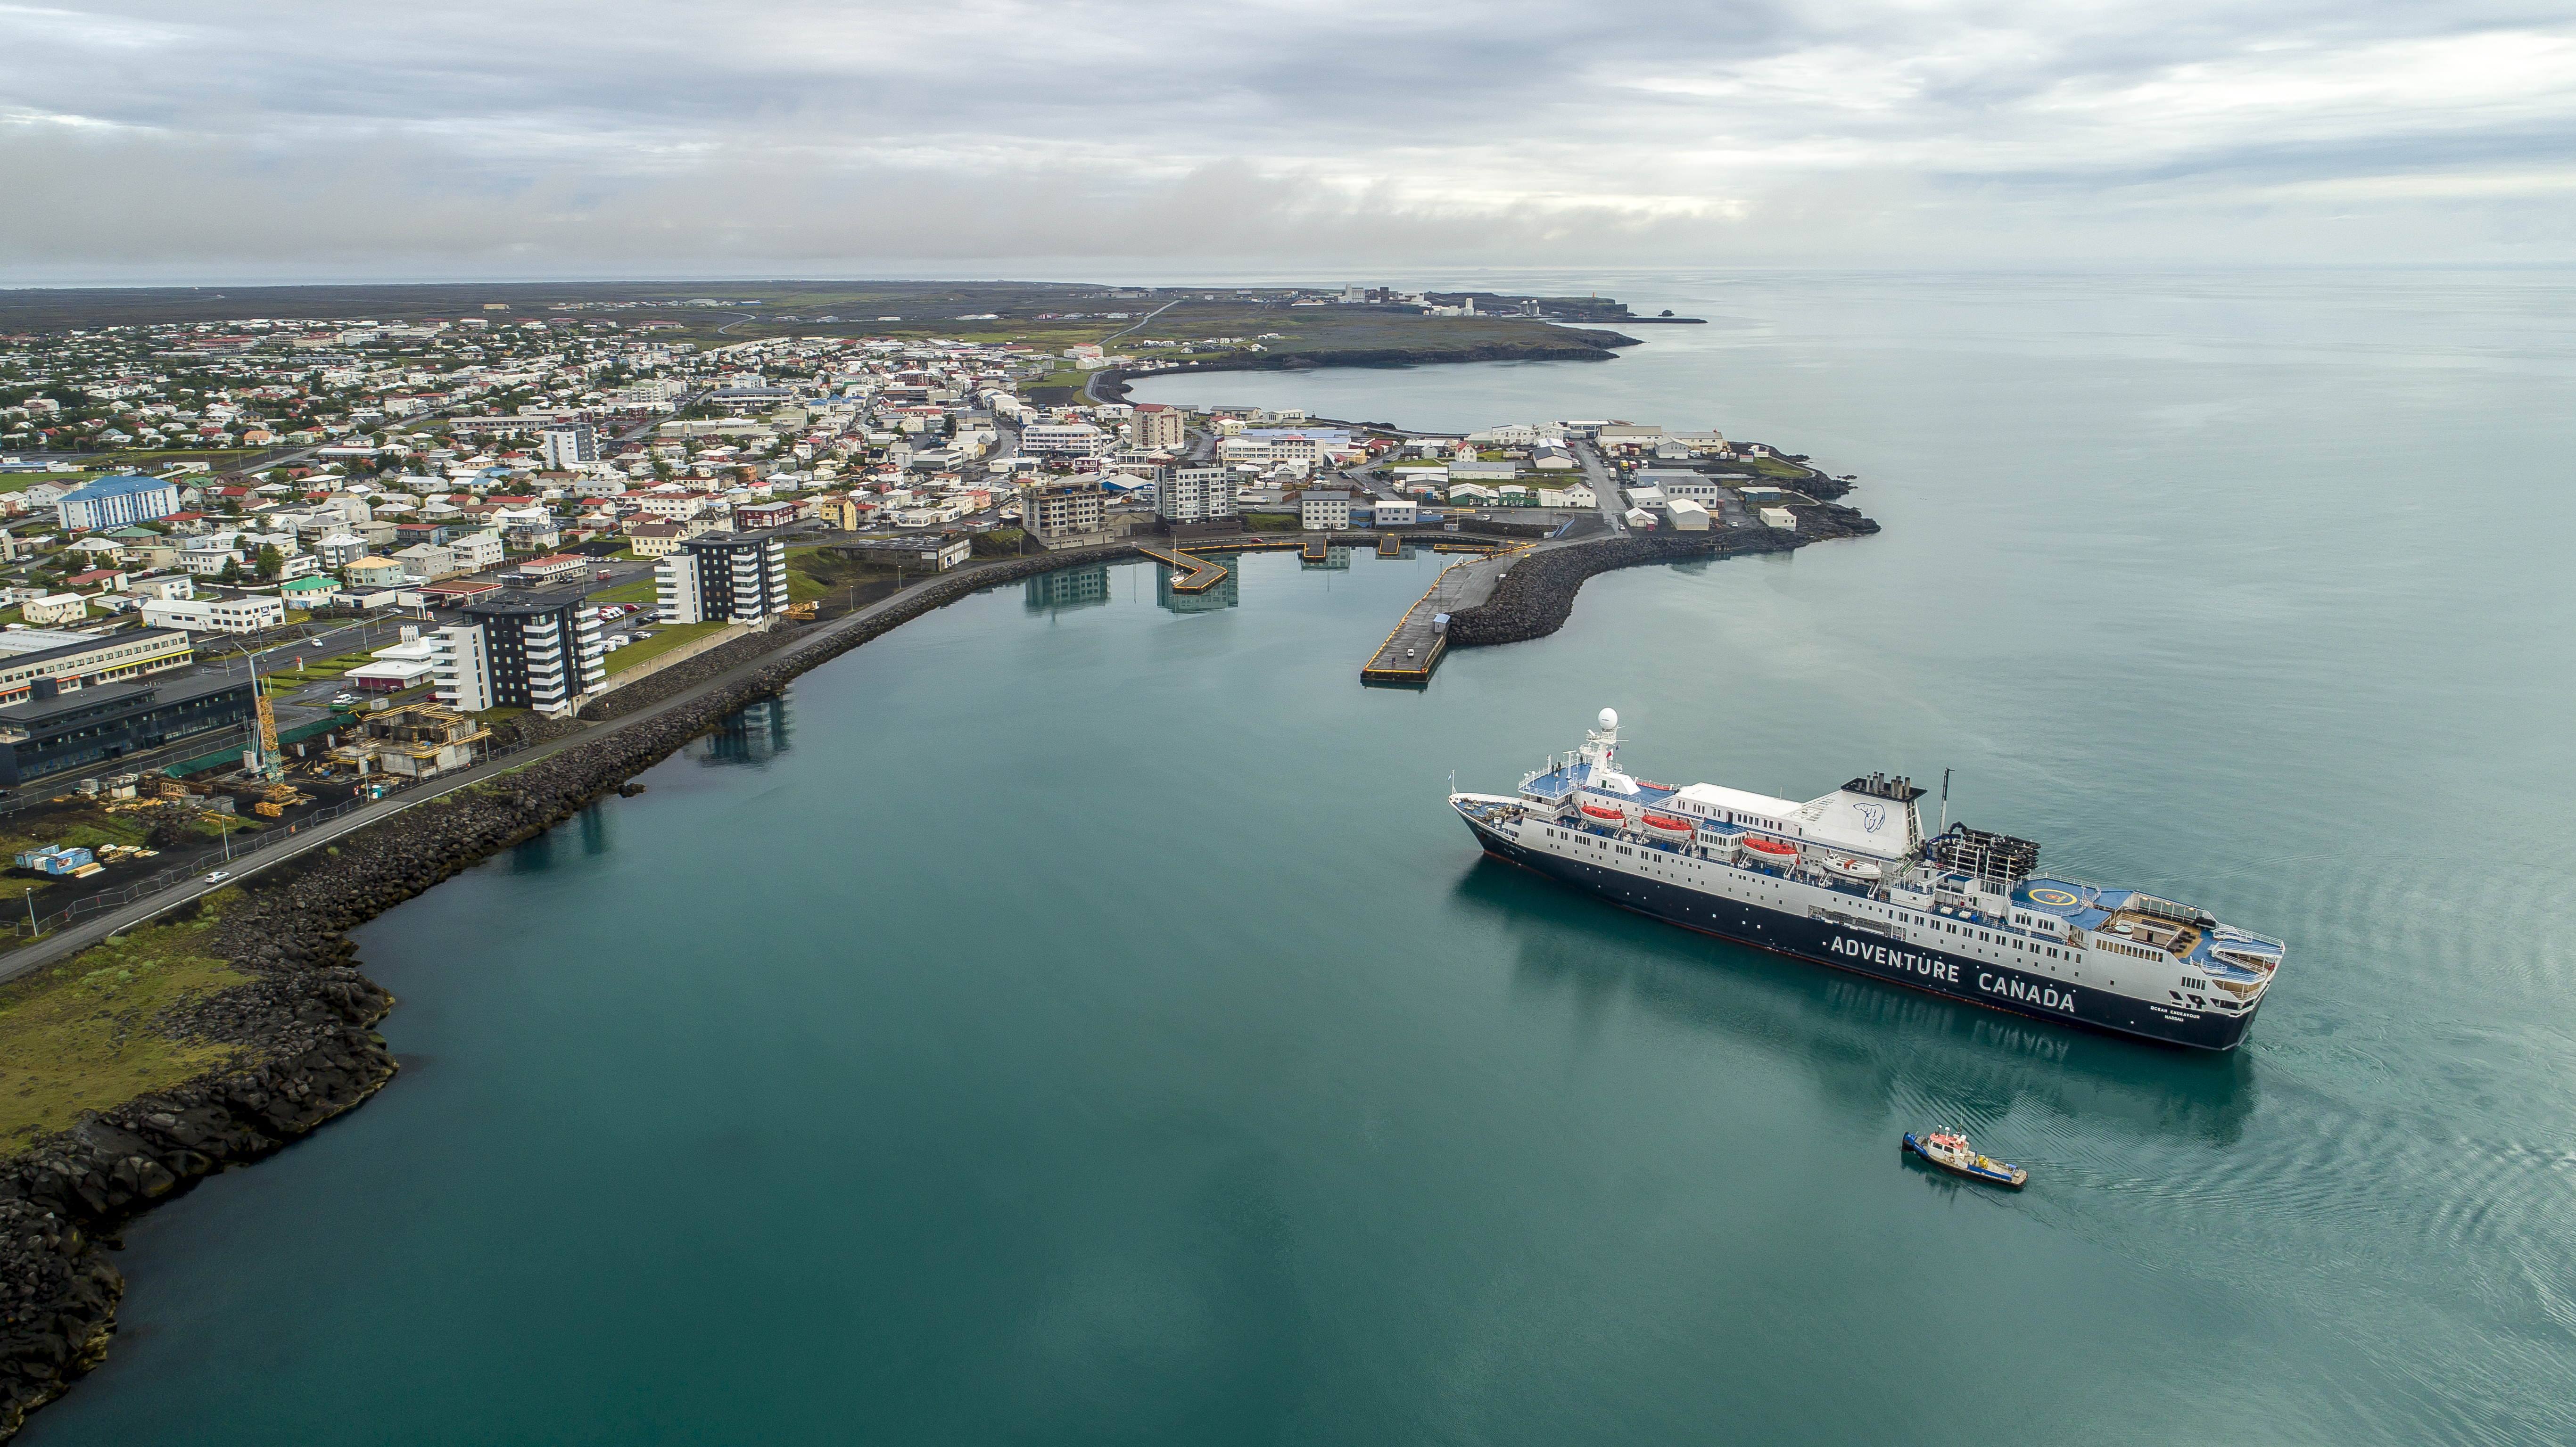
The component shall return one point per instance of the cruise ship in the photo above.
(1851, 880)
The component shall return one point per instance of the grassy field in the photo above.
(664, 639)
(81, 1037)
(639, 591)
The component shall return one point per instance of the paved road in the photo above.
(77, 937)
(1598, 476)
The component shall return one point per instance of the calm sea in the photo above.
(1074, 1019)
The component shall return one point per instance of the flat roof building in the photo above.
(53, 735)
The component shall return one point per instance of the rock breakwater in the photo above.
(1535, 598)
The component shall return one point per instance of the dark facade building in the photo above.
(105, 722)
(535, 651)
(724, 578)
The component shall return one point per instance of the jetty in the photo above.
(1196, 575)
(1408, 655)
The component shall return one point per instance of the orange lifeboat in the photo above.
(1779, 852)
(1600, 815)
(1664, 826)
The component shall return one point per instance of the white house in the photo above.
(53, 608)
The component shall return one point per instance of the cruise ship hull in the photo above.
(1865, 952)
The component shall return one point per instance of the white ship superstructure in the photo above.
(1850, 880)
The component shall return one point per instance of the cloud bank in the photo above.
(141, 139)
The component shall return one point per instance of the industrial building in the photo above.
(60, 732)
(37, 659)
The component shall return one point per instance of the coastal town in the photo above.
(267, 588)
(232, 542)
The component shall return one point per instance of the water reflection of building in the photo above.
(1333, 558)
(1224, 595)
(753, 734)
(1078, 587)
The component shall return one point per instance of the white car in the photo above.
(219, 876)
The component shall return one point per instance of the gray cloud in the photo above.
(153, 139)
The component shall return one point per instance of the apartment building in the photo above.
(1064, 507)
(1324, 511)
(723, 577)
(521, 650)
(1158, 426)
(114, 502)
(1196, 494)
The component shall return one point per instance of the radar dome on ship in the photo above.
(1609, 718)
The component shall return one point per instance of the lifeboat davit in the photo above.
(1846, 867)
(1664, 826)
(1600, 815)
(1769, 851)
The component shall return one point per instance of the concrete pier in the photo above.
(1409, 653)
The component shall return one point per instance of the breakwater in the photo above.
(1565, 344)
(302, 1031)
(1536, 597)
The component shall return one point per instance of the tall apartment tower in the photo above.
(1158, 426)
(562, 444)
(520, 651)
(1063, 507)
(723, 577)
(1196, 494)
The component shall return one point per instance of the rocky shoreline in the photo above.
(304, 1029)
(305, 1026)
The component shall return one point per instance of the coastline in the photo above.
(305, 1026)
(1110, 384)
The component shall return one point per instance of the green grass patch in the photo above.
(1271, 522)
(639, 591)
(665, 638)
(80, 1036)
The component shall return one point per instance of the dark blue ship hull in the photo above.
(1865, 951)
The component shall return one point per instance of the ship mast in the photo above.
(1602, 743)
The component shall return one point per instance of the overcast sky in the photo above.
(151, 139)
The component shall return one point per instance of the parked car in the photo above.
(343, 700)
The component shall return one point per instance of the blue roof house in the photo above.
(114, 502)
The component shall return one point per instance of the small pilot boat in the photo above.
(1951, 1152)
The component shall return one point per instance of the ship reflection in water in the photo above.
(754, 734)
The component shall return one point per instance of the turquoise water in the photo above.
(1069, 1019)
